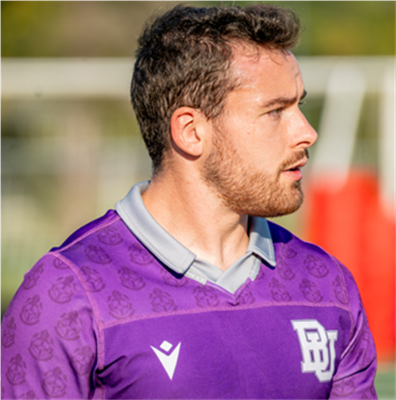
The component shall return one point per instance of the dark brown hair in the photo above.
(184, 59)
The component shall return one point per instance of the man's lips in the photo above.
(297, 165)
(293, 171)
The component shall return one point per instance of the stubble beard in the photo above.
(248, 192)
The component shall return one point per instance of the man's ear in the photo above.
(187, 131)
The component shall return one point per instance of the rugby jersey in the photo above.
(102, 317)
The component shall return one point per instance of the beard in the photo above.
(250, 192)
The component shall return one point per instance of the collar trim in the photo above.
(171, 252)
(134, 213)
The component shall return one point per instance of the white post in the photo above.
(339, 123)
(387, 152)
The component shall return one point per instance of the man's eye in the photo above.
(276, 112)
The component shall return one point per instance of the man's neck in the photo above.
(193, 214)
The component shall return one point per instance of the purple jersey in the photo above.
(101, 317)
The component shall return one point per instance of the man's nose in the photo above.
(305, 135)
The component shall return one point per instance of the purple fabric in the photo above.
(95, 317)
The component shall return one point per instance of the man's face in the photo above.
(261, 138)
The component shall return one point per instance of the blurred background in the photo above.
(71, 146)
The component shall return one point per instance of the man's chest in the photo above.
(263, 351)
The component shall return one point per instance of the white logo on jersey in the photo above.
(168, 361)
(317, 347)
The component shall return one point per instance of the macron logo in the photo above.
(168, 359)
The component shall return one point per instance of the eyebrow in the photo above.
(284, 100)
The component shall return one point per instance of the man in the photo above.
(186, 291)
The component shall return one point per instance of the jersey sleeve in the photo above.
(354, 378)
(49, 336)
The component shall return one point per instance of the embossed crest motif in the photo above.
(139, 254)
(109, 236)
(310, 291)
(8, 335)
(69, 326)
(97, 255)
(54, 383)
(62, 290)
(130, 279)
(41, 346)
(170, 280)
(339, 290)
(284, 271)
(93, 279)
(119, 305)
(162, 301)
(315, 266)
(246, 297)
(16, 370)
(32, 277)
(82, 360)
(205, 296)
(57, 263)
(278, 291)
(31, 311)
(288, 251)
(343, 388)
(29, 395)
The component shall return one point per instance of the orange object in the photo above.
(351, 225)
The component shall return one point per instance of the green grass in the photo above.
(385, 382)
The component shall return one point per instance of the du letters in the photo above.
(317, 347)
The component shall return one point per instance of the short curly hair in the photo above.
(184, 59)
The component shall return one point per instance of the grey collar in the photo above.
(172, 253)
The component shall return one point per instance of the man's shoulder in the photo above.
(306, 256)
(289, 244)
(89, 247)
(102, 223)
(96, 270)
(96, 243)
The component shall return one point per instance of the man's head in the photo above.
(185, 59)
(261, 138)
